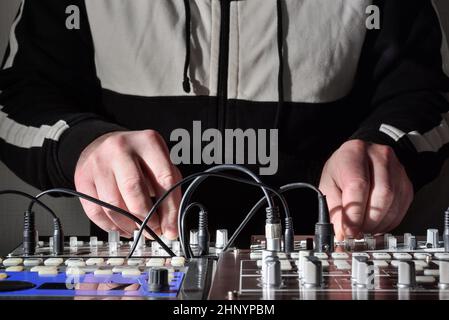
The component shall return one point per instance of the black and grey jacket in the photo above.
(310, 67)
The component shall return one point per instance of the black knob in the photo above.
(158, 280)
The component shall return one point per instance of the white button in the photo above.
(381, 256)
(432, 272)
(131, 272)
(321, 255)
(14, 269)
(37, 268)
(178, 261)
(340, 256)
(294, 255)
(360, 254)
(421, 256)
(342, 265)
(53, 262)
(103, 272)
(135, 261)
(255, 255)
(425, 279)
(49, 271)
(74, 271)
(32, 262)
(325, 263)
(3, 276)
(75, 263)
(119, 269)
(115, 261)
(286, 265)
(282, 255)
(94, 261)
(402, 256)
(380, 263)
(395, 263)
(156, 262)
(11, 262)
(442, 256)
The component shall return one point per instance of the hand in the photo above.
(367, 189)
(126, 169)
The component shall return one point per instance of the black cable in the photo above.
(111, 207)
(189, 178)
(188, 27)
(26, 195)
(260, 204)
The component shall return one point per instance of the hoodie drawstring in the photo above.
(280, 38)
(280, 44)
(186, 80)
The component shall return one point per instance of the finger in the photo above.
(108, 191)
(383, 191)
(353, 179)
(94, 212)
(135, 188)
(163, 176)
(333, 197)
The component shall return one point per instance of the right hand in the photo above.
(126, 169)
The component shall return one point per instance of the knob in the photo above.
(158, 279)
(432, 238)
(392, 243)
(301, 261)
(113, 236)
(313, 272)
(444, 275)
(413, 244)
(407, 239)
(139, 240)
(365, 274)
(406, 274)
(194, 237)
(271, 276)
(221, 238)
(355, 266)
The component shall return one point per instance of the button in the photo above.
(75, 263)
(442, 256)
(177, 261)
(271, 272)
(325, 264)
(48, 271)
(432, 238)
(380, 263)
(381, 256)
(155, 262)
(37, 268)
(421, 263)
(360, 254)
(340, 256)
(14, 269)
(255, 255)
(421, 256)
(221, 238)
(3, 276)
(313, 274)
(432, 272)
(395, 263)
(282, 255)
(321, 255)
(32, 262)
(286, 265)
(402, 256)
(119, 269)
(294, 255)
(115, 261)
(103, 272)
(11, 262)
(94, 261)
(53, 262)
(425, 279)
(74, 271)
(342, 265)
(135, 261)
(131, 272)
(444, 275)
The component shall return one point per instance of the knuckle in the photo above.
(386, 152)
(116, 143)
(132, 186)
(357, 185)
(166, 179)
(151, 135)
(357, 145)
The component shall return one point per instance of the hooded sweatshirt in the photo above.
(322, 72)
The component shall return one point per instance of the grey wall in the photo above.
(430, 202)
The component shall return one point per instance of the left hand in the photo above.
(367, 189)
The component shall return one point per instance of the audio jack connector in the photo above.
(446, 231)
(203, 234)
(29, 234)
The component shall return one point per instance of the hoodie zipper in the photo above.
(223, 64)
